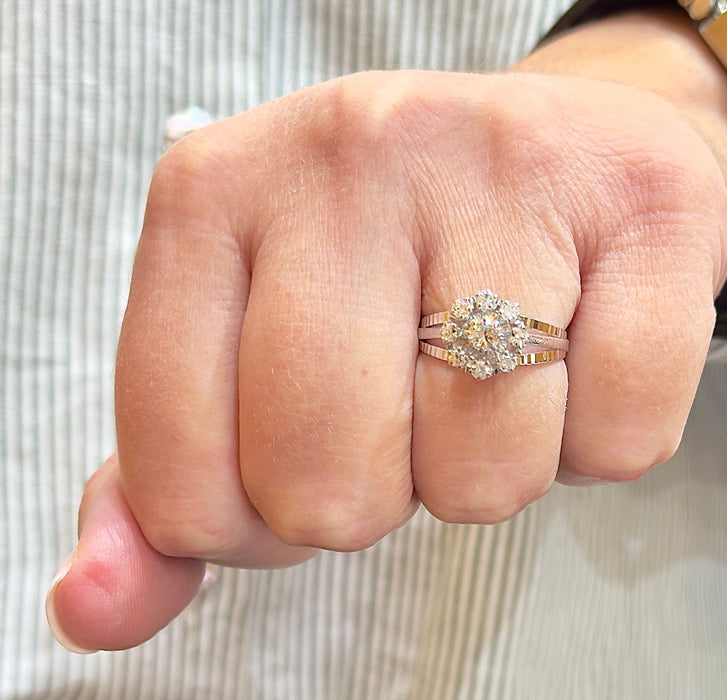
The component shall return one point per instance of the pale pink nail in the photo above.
(50, 611)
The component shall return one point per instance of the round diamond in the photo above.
(455, 359)
(507, 363)
(485, 300)
(484, 335)
(519, 335)
(462, 308)
(450, 331)
(509, 310)
(497, 332)
(481, 370)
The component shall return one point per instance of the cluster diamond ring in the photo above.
(485, 335)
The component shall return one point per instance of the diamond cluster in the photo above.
(484, 335)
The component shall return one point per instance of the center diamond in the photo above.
(484, 334)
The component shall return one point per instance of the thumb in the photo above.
(115, 590)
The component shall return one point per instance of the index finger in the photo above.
(177, 366)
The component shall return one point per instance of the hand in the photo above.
(270, 396)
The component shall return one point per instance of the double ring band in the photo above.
(485, 335)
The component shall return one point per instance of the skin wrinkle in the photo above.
(435, 172)
(295, 435)
(700, 100)
(593, 150)
(463, 209)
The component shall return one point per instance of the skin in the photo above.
(270, 396)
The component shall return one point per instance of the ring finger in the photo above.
(483, 450)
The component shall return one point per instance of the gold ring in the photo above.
(485, 335)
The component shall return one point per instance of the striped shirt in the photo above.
(616, 592)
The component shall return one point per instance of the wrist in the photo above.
(655, 50)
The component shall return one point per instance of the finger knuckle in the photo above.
(185, 163)
(365, 114)
(491, 500)
(167, 537)
(649, 179)
(334, 525)
(485, 512)
(176, 536)
(627, 464)
(188, 175)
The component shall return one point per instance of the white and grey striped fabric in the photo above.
(617, 592)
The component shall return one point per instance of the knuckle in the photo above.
(166, 538)
(173, 536)
(610, 472)
(647, 174)
(613, 472)
(333, 525)
(366, 113)
(629, 464)
(490, 501)
(185, 163)
(652, 184)
(485, 512)
(188, 175)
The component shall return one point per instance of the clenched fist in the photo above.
(271, 398)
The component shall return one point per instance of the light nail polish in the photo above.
(50, 612)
